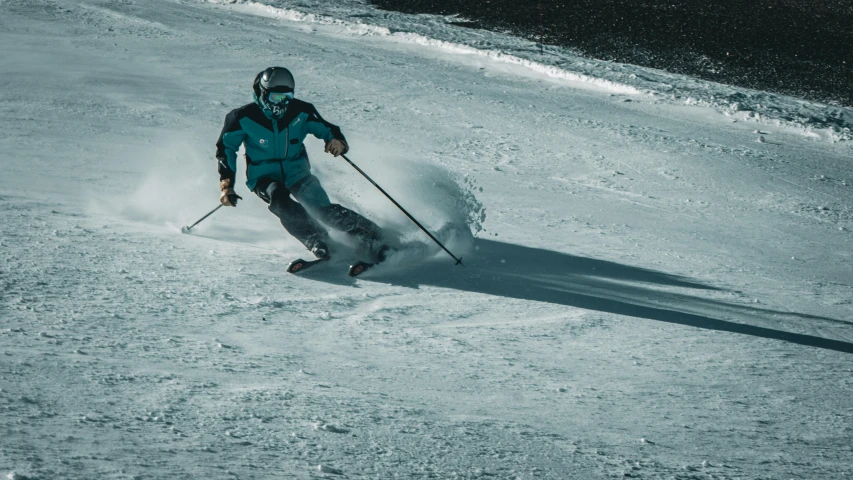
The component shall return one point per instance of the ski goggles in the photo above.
(280, 97)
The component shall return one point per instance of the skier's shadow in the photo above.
(507, 270)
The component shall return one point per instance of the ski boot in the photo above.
(381, 253)
(373, 243)
(377, 255)
(320, 250)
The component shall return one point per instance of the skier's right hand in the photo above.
(337, 147)
(227, 196)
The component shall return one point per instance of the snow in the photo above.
(441, 32)
(648, 290)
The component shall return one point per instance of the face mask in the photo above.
(276, 102)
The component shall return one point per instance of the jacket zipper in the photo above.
(275, 136)
(286, 147)
(286, 140)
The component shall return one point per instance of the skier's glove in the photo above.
(228, 198)
(336, 147)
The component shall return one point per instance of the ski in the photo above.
(299, 265)
(358, 268)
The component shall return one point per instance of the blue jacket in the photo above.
(273, 146)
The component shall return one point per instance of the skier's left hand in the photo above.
(227, 197)
(336, 147)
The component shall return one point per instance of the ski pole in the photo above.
(458, 260)
(187, 229)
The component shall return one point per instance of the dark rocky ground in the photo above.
(797, 47)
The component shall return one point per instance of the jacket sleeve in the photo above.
(229, 143)
(322, 129)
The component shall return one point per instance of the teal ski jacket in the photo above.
(274, 146)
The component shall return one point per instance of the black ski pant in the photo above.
(297, 221)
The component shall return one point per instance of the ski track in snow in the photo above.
(655, 291)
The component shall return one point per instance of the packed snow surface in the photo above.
(653, 287)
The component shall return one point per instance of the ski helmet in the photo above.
(276, 89)
(277, 79)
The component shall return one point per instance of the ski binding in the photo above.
(358, 268)
(298, 265)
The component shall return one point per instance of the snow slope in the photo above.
(443, 33)
(655, 291)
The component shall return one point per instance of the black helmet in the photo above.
(277, 79)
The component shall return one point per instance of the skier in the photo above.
(272, 128)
